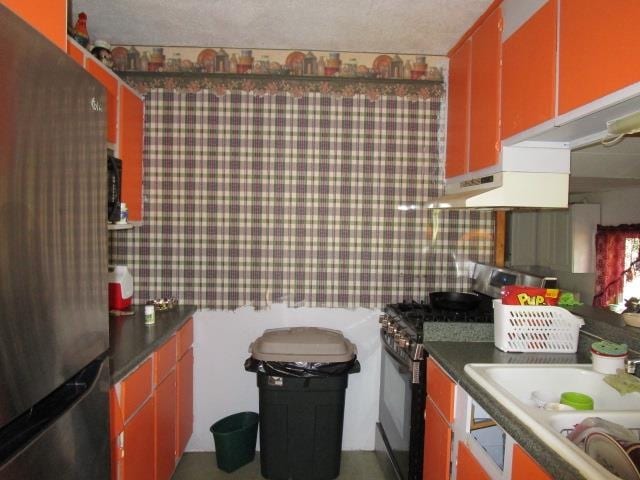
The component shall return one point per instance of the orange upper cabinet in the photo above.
(458, 111)
(529, 71)
(597, 50)
(76, 51)
(130, 127)
(484, 134)
(473, 128)
(125, 123)
(49, 17)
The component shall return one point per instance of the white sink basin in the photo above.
(519, 381)
(512, 385)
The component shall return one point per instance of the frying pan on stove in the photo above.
(454, 301)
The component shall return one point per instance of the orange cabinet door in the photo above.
(185, 402)
(49, 17)
(525, 468)
(75, 51)
(484, 126)
(110, 82)
(130, 128)
(468, 468)
(138, 445)
(597, 56)
(437, 445)
(165, 423)
(529, 72)
(458, 111)
(136, 388)
(440, 389)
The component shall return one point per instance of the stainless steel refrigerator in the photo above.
(54, 380)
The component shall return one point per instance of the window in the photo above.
(631, 287)
(617, 264)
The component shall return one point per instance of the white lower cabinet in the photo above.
(481, 449)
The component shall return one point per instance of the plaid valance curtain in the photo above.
(252, 200)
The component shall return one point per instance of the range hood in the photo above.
(536, 176)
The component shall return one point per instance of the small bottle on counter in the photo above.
(149, 314)
(124, 214)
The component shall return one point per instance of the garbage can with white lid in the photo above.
(302, 376)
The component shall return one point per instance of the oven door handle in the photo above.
(404, 365)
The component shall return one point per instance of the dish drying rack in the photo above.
(568, 431)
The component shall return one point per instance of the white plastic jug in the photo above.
(120, 287)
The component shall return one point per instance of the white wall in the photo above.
(617, 206)
(223, 387)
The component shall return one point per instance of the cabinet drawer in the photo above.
(441, 389)
(185, 338)
(165, 360)
(136, 388)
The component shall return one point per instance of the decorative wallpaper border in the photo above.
(296, 63)
(261, 85)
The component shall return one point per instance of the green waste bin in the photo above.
(235, 440)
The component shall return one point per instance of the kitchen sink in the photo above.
(519, 381)
(512, 386)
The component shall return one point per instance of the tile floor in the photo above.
(202, 466)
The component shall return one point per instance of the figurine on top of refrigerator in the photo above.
(80, 32)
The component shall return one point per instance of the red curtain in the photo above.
(610, 268)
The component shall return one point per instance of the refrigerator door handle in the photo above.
(21, 431)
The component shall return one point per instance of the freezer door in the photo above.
(53, 256)
(65, 436)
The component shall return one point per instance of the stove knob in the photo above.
(400, 339)
(391, 328)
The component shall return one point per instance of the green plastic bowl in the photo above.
(577, 400)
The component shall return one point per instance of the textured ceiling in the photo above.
(393, 26)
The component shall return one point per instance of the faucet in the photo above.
(630, 366)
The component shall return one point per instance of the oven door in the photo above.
(396, 397)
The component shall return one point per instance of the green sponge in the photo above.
(623, 382)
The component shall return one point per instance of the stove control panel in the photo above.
(400, 337)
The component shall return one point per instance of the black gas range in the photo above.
(400, 430)
(404, 327)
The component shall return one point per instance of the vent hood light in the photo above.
(531, 177)
(618, 128)
(624, 125)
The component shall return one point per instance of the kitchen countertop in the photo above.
(455, 351)
(131, 341)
